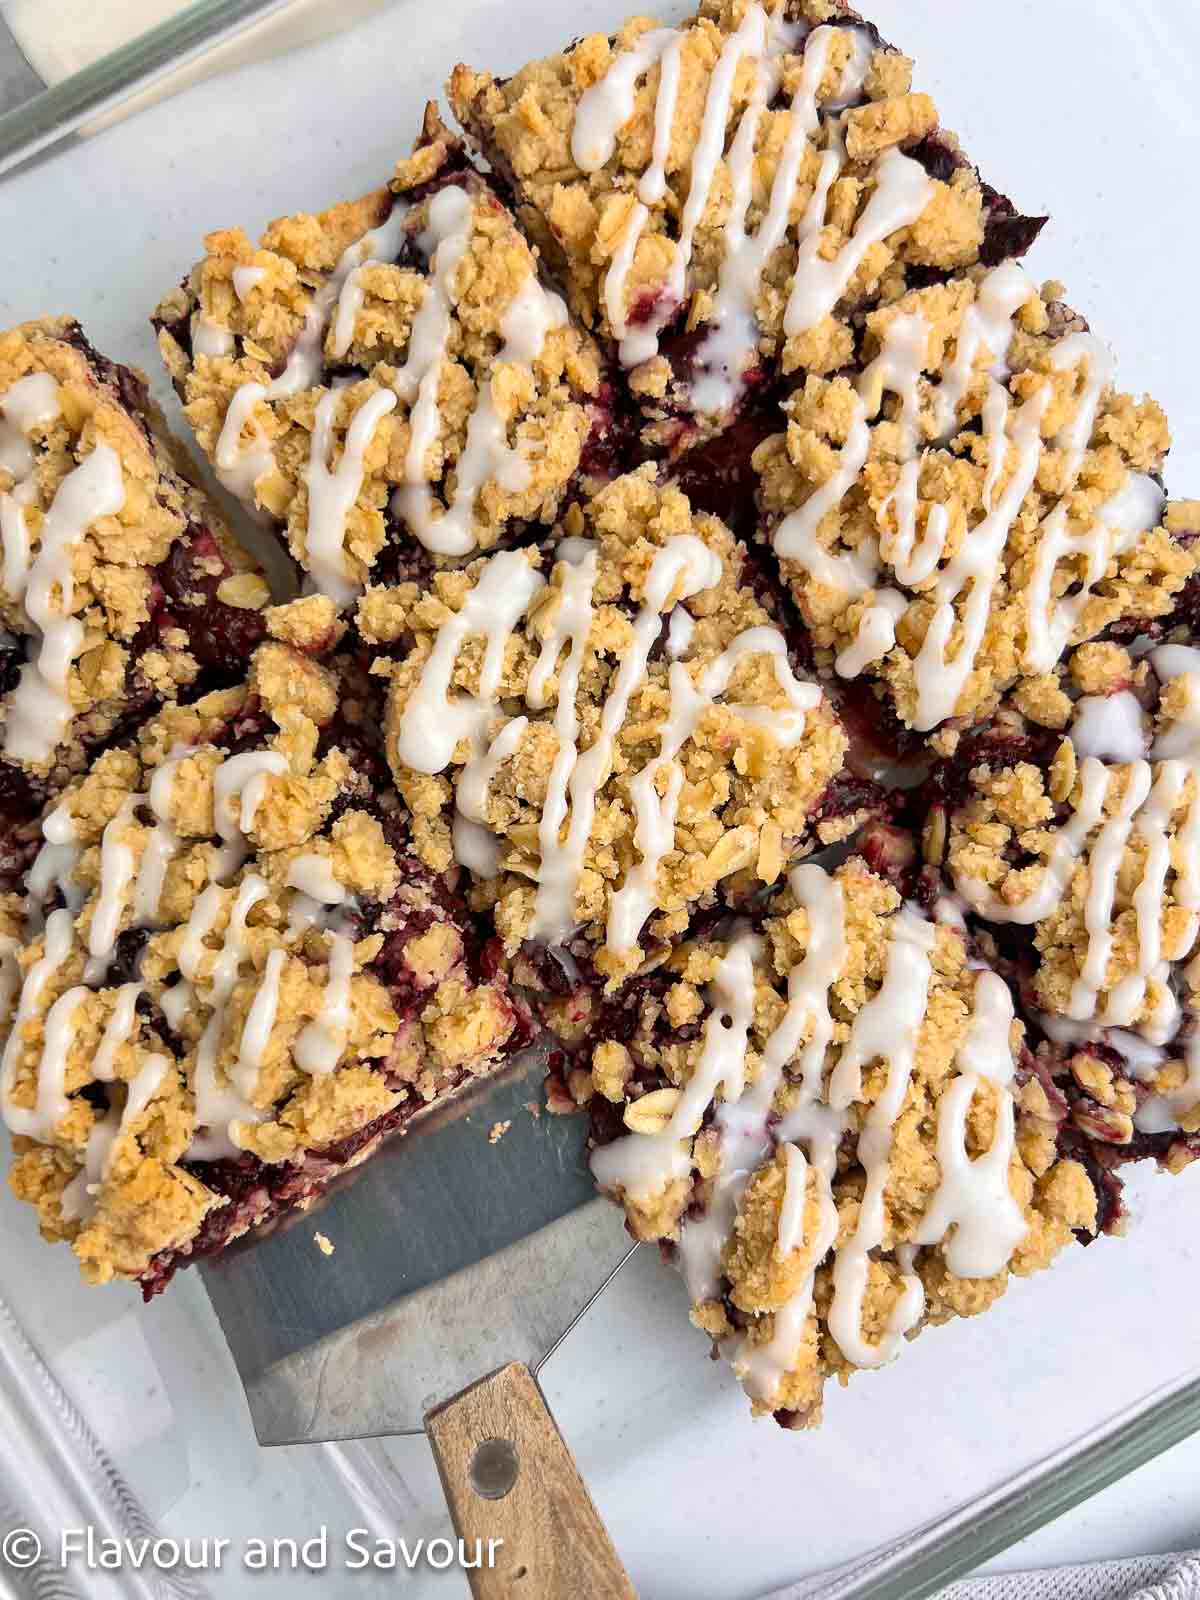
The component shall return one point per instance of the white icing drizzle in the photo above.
(1153, 792)
(239, 465)
(380, 245)
(902, 191)
(219, 1104)
(608, 105)
(876, 634)
(680, 629)
(256, 1030)
(654, 830)
(1111, 727)
(52, 1104)
(524, 327)
(79, 1197)
(116, 1032)
(238, 786)
(162, 843)
(745, 1134)
(752, 39)
(986, 325)
(682, 568)
(554, 907)
(210, 337)
(940, 680)
(176, 1002)
(885, 1029)
(791, 1215)
(1068, 846)
(641, 1164)
(475, 847)
(973, 1196)
(29, 403)
(117, 867)
(40, 707)
(313, 875)
(1083, 350)
(731, 340)
(246, 280)
(433, 723)
(1104, 863)
(1115, 528)
(795, 538)
(331, 493)
(319, 1047)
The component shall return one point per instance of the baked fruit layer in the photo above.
(975, 500)
(725, 199)
(1069, 828)
(387, 373)
(230, 976)
(613, 732)
(833, 1123)
(120, 586)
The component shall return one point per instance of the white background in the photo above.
(1083, 108)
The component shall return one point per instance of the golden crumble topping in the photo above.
(669, 769)
(388, 369)
(225, 952)
(1091, 846)
(643, 163)
(949, 536)
(95, 499)
(867, 1112)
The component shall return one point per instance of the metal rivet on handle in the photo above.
(494, 1468)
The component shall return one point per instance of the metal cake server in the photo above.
(459, 1265)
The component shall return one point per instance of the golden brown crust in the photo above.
(1127, 443)
(746, 801)
(578, 219)
(258, 297)
(758, 1274)
(412, 1020)
(113, 562)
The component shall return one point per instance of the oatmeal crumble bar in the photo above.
(229, 977)
(387, 374)
(1071, 827)
(835, 1128)
(976, 500)
(120, 586)
(725, 198)
(607, 730)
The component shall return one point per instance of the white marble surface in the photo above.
(1084, 108)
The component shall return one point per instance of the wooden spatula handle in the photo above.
(509, 1476)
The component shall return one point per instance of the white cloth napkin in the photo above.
(1172, 1577)
(1143, 1578)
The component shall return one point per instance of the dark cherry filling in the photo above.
(717, 476)
(221, 637)
(259, 1192)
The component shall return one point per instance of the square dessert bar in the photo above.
(977, 498)
(1069, 828)
(724, 199)
(614, 732)
(388, 377)
(230, 977)
(832, 1122)
(120, 586)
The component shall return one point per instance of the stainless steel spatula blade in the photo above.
(452, 1256)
